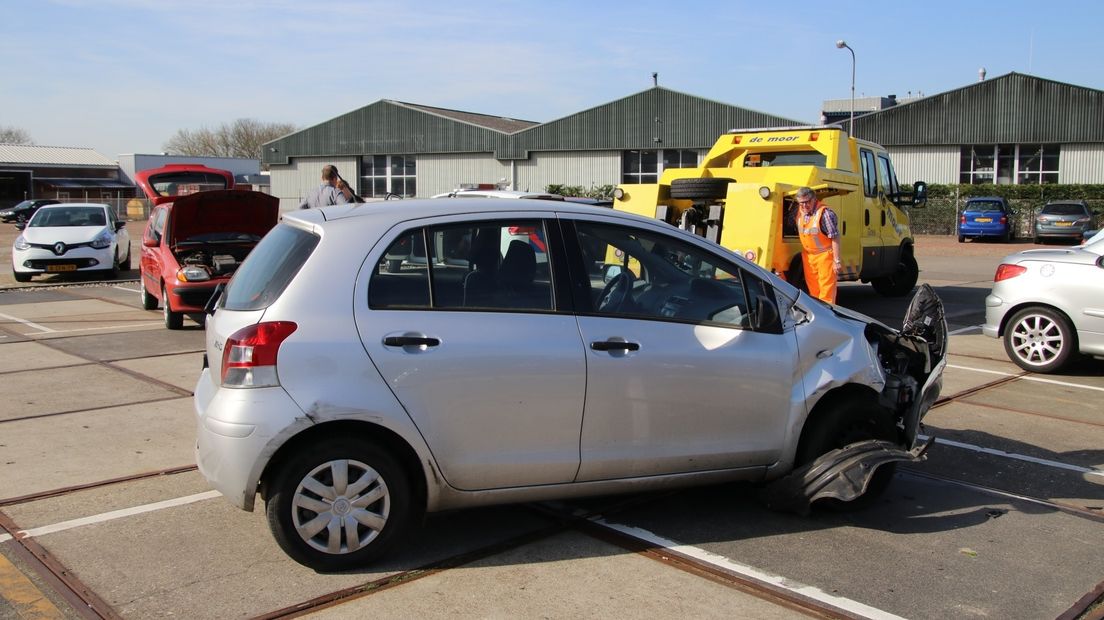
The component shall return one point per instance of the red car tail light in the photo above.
(962, 220)
(1006, 271)
(249, 355)
(1003, 220)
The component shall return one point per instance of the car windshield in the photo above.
(68, 216)
(184, 183)
(1063, 209)
(983, 205)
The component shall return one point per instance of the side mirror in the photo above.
(119, 226)
(766, 315)
(610, 272)
(21, 225)
(150, 242)
(919, 194)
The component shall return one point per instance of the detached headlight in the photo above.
(192, 274)
(102, 240)
(21, 243)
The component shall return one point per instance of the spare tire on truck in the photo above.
(707, 188)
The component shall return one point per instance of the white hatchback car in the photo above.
(355, 396)
(71, 238)
(1048, 306)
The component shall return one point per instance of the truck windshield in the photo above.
(794, 158)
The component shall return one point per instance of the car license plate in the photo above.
(986, 220)
(1063, 223)
(50, 268)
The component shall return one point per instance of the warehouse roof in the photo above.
(28, 155)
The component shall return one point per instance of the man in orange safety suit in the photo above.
(818, 228)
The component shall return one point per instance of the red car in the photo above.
(194, 242)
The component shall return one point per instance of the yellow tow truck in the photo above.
(742, 197)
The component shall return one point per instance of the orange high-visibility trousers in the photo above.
(820, 275)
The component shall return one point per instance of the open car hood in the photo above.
(236, 211)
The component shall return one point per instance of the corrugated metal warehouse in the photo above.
(1011, 129)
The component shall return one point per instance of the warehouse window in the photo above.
(646, 166)
(383, 174)
(1005, 164)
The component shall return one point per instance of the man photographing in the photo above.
(333, 191)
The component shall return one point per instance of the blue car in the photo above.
(990, 217)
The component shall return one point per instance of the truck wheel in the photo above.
(847, 421)
(695, 189)
(901, 281)
(795, 275)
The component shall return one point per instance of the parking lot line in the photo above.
(1089, 471)
(1029, 378)
(41, 328)
(750, 572)
(27, 600)
(118, 514)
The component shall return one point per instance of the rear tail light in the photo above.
(962, 220)
(1006, 271)
(1004, 219)
(249, 355)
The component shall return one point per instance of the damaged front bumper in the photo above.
(913, 359)
(842, 474)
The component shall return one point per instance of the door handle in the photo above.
(410, 341)
(614, 345)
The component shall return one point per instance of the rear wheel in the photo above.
(709, 188)
(849, 419)
(795, 275)
(339, 505)
(173, 320)
(901, 281)
(962, 238)
(1040, 340)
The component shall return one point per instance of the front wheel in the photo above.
(340, 504)
(849, 420)
(901, 281)
(173, 320)
(1040, 340)
(149, 302)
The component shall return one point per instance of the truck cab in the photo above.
(742, 197)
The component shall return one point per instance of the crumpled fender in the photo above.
(841, 474)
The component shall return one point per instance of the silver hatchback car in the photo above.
(530, 350)
(1048, 305)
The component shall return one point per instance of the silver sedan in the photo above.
(370, 363)
(1048, 306)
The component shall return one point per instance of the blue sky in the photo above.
(122, 76)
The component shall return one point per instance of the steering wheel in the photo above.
(616, 292)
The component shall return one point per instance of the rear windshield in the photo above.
(269, 268)
(184, 183)
(1066, 209)
(983, 205)
(794, 158)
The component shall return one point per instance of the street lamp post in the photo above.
(851, 124)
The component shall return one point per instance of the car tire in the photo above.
(312, 527)
(1040, 339)
(1037, 240)
(901, 281)
(125, 265)
(709, 188)
(849, 419)
(962, 238)
(149, 302)
(21, 277)
(173, 320)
